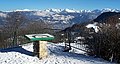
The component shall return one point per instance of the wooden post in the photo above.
(36, 48)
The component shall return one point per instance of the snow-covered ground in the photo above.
(24, 55)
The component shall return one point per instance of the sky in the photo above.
(8, 5)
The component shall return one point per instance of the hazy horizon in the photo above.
(54, 8)
(9, 5)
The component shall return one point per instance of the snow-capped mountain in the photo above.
(70, 11)
(60, 17)
(22, 10)
(53, 10)
(110, 10)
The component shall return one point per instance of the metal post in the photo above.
(69, 40)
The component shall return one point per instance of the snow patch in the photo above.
(93, 26)
(119, 18)
(77, 38)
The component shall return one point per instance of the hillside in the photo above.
(107, 17)
(104, 30)
(111, 18)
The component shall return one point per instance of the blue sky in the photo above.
(6, 5)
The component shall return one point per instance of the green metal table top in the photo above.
(39, 37)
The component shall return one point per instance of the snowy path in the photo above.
(23, 55)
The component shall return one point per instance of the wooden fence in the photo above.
(71, 42)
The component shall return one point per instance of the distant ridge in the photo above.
(60, 18)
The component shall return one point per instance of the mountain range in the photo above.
(60, 18)
(106, 19)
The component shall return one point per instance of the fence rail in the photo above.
(72, 43)
(78, 46)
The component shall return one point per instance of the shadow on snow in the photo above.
(18, 49)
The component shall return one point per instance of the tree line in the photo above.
(16, 26)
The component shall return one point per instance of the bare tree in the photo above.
(14, 21)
